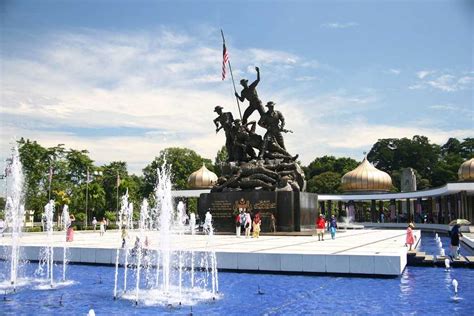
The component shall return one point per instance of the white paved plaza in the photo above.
(365, 251)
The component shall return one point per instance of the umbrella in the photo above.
(459, 221)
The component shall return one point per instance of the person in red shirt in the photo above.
(320, 226)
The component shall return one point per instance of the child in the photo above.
(410, 237)
(256, 226)
(320, 225)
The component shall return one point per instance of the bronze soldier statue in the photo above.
(225, 120)
(242, 149)
(250, 93)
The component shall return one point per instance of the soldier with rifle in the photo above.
(225, 121)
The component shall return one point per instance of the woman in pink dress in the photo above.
(70, 229)
(410, 237)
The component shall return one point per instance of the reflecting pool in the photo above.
(428, 291)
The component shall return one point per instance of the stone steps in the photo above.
(415, 258)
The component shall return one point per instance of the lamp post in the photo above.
(89, 178)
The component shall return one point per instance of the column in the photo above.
(409, 215)
(373, 210)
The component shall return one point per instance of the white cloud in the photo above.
(394, 71)
(168, 85)
(338, 25)
(423, 73)
(443, 81)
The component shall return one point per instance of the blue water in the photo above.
(420, 290)
(428, 245)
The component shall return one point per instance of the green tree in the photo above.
(78, 163)
(221, 157)
(325, 183)
(35, 162)
(330, 163)
(183, 162)
(467, 148)
(391, 155)
(116, 170)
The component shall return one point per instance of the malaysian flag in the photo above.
(225, 59)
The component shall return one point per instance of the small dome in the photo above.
(466, 171)
(366, 178)
(202, 178)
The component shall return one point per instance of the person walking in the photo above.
(333, 226)
(105, 224)
(70, 229)
(256, 226)
(124, 237)
(102, 227)
(272, 223)
(455, 235)
(320, 225)
(242, 222)
(410, 239)
(237, 225)
(94, 223)
(248, 224)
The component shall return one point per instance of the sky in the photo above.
(126, 79)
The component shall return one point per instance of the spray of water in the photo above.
(15, 214)
(66, 223)
(166, 274)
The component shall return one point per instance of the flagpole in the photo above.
(232, 76)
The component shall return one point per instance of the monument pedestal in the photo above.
(293, 211)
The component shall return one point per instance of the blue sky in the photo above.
(125, 79)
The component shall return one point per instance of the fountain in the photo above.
(447, 264)
(66, 223)
(125, 220)
(348, 223)
(455, 285)
(192, 223)
(15, 214)
(47, 252)
(166, 274)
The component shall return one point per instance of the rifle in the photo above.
(284, 130)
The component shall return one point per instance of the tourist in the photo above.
(94, 223)
(102, 227)
(455, 233)
(136, 247)
(237, 225)
(256, 226)
(43, 221)
(105, 224)
(320, 225)
(248, 224)
(70, 229)
(272, 223)
(333, 226)
(124, 237)
(242, 221)
(410, 240)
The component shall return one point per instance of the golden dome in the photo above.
(366, 178)
(202, 178)
(466, 171)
